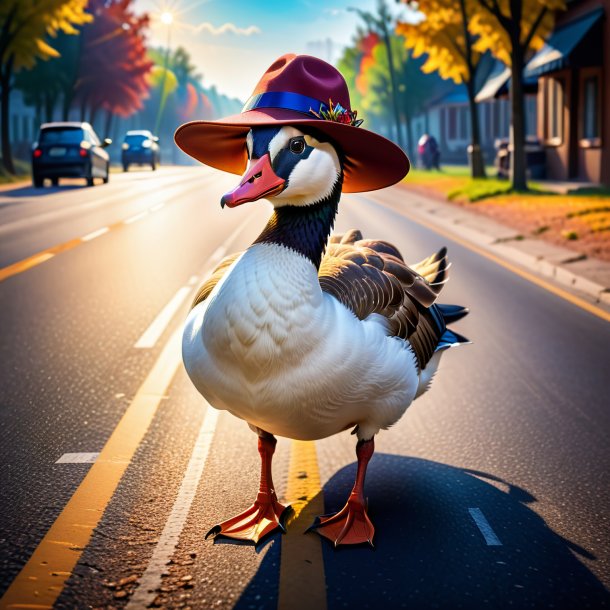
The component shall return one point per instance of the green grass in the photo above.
(457, 171)
(480, 188)
(22, 168)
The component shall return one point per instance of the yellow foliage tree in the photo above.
(24, 26)
(445, 38)
(511, 29)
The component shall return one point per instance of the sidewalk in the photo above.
(585, 274)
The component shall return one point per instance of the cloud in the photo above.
(224, 28)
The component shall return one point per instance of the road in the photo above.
(493, 491)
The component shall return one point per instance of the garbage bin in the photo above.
(535, 159)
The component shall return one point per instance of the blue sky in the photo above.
(255, 33)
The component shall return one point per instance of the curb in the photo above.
(587, 275)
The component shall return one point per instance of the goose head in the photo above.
(288, 167)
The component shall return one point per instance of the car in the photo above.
(141, 147)
(69, 149)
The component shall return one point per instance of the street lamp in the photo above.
(167, 18)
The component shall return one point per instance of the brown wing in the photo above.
(204, 292)
(370, 276)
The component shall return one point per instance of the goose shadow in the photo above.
(430, 553)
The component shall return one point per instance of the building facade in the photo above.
(574, 93)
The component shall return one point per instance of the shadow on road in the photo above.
(30, 191)
(429, 553)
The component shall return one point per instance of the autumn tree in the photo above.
(510, 29)
(444, 39)
(113, 67)
(414, 88)
(25, 27)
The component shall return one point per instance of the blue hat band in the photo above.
(286, 100)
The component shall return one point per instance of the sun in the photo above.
(167, 17)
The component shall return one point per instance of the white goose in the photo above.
(306, 345)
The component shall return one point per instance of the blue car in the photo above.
(140, 147)
(69, 149)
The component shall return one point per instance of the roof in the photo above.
(457, 95)
(498, 83)
(555, 54)
(139, 132)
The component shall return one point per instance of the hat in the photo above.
(303, 91)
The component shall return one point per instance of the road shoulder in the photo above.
(586, 275)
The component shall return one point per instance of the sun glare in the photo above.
(167, 18)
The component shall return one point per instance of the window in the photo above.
(590, 106)
(61, 135)
(554, 110)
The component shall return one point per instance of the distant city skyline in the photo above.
(232, 43)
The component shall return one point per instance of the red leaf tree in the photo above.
(113, 63)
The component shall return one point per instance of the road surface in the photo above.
(493, 491)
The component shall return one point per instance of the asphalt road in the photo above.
(493, 491)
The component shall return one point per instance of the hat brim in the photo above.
(371, 161)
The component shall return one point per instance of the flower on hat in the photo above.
(337, 114)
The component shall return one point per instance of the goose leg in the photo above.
(351, 525)
(266, 514)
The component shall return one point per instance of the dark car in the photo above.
(69, 150)
(140, 147)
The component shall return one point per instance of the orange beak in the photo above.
(258, 182)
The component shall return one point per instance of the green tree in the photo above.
(444, 38)
(25, 25)
(49, 83)
(510, 29)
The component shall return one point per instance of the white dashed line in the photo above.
(151, 579)
(155, 330)
(95, 234)
(481, 522)
(135, 218)
(77, 458)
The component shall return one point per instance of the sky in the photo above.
(233, 42)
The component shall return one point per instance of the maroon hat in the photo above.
(299, 90)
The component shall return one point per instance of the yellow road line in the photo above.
(302, 580)
(44, 255)
(42, 579)
(564, 294)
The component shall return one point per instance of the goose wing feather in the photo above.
(370, 276)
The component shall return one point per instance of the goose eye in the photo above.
(297, 146)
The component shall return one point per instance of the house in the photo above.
(574, 93)
(447, 118)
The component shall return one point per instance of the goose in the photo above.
(306, 334)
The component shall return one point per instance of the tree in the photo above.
(446, 41)
(351, 65)
(510, 29)
(25, 24)
(51, 82)
(414, 88)
(382, 24)
(113, 67)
